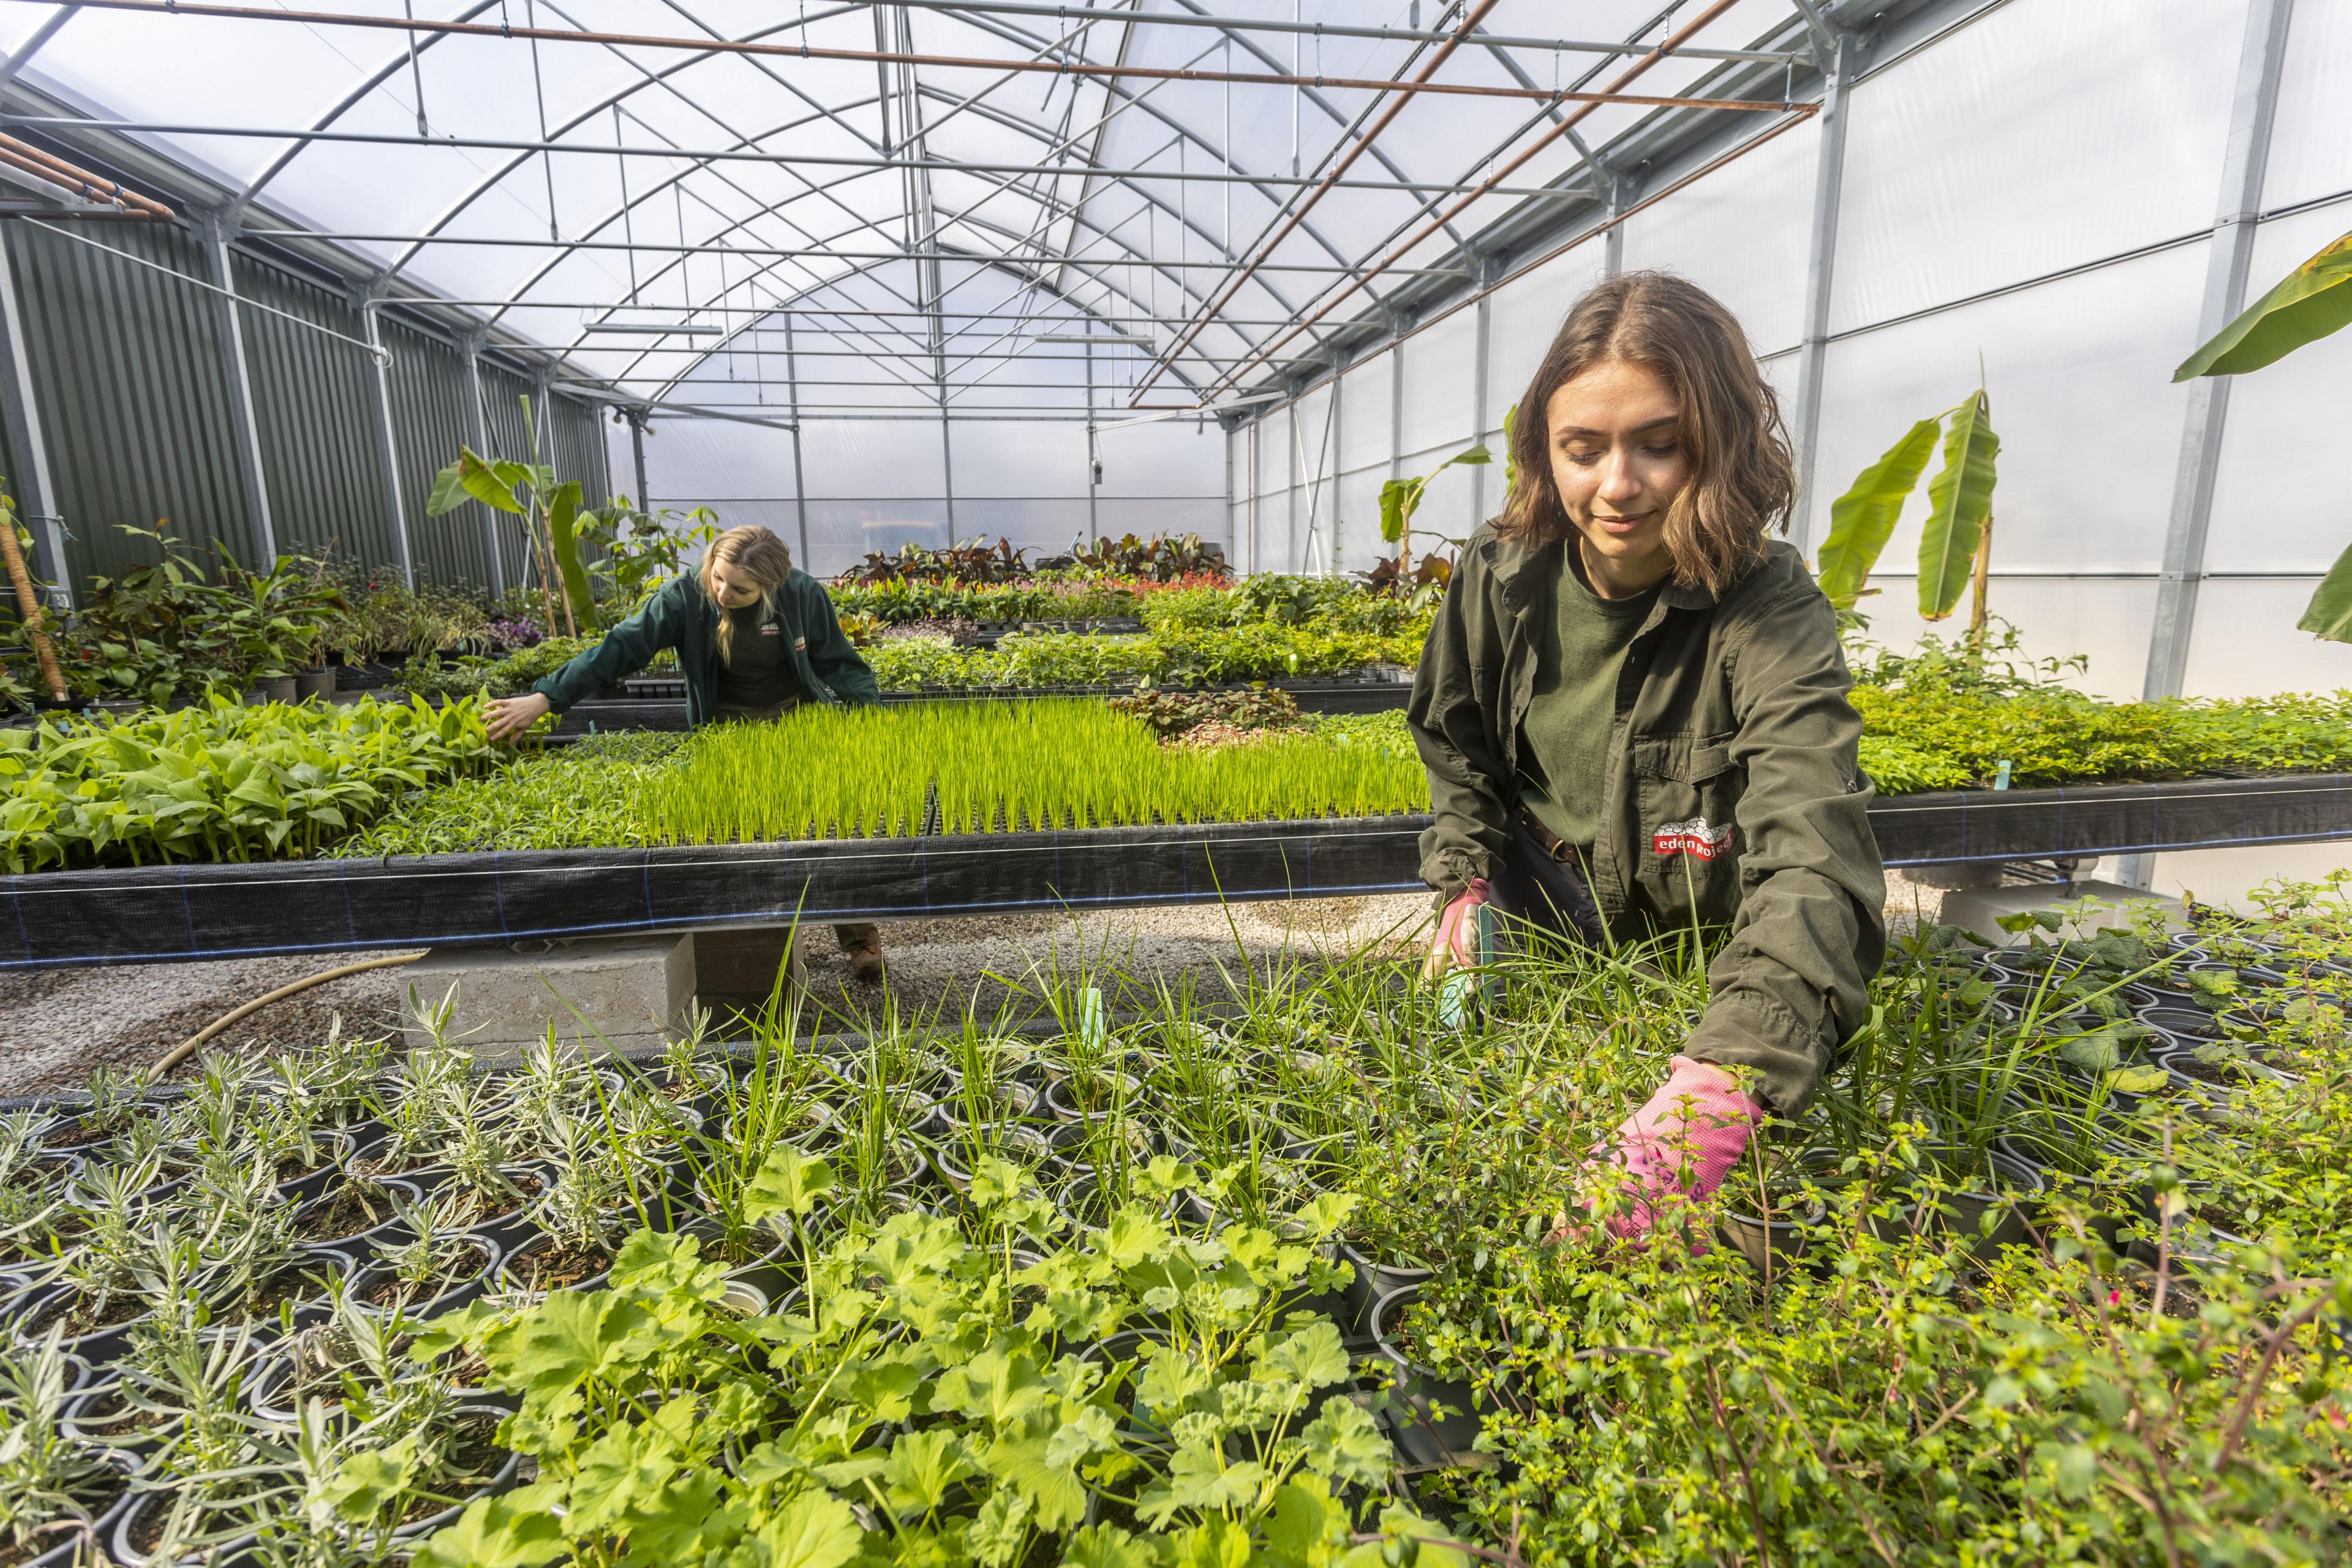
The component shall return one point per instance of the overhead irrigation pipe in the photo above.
(95, 188)
(1437, 224)
(1297, 214)
(805, 51)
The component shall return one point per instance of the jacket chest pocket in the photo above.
(1686, 795)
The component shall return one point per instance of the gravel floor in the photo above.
(56, 1025)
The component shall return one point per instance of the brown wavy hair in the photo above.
(756, 556)
(1742, 480)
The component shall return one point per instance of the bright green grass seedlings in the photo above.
(992, 767)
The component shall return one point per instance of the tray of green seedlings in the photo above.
(1035, 767)
(1159, 1283)
(222, 782)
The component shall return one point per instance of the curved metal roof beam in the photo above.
(345, 104)
(49, 28)
(1009, 264)
(650, 78)
(1249, 46)
(991, 263)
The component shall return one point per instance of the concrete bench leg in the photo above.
(736, 968)
(617, 993)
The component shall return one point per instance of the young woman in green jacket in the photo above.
(756, 638)
(1633, 712)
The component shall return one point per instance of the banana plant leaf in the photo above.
(563, 516)
(1959, 498)
(2309, 303)
(1864, 519)
(2329, 614)
(1400, 499)
(471, 478)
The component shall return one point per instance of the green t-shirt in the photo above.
(758, 672)
(1564, 739)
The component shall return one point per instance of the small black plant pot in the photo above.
(132, 1525)
(1437, 1419)
(361, 1242)
(517, 1272)
(326, 1174)
(1776, 1243)
(1965, 1212)
(75, 1547)
(1372, 1281)
(1090, 1096)
(460, 1285)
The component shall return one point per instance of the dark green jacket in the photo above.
(681, 615)
(1732, 792)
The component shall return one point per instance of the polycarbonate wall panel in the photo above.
(131, 376)
(2246, 644)
(1176, 458)
(2080, 383)
(2043, 136)
(1367, 422)
(2310, 141)
(1741, 234)
(1438, 383)
(2280, 493)
(1526, 316)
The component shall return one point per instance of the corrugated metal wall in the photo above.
(326, 496)
(129, 371)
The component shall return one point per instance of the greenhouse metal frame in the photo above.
(794, 240)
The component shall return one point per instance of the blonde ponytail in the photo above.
(754, 555)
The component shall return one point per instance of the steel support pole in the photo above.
(477, 431)
(2227, 268)
(1337, 469)
(35, 496)
(1094, 450)
(2228, 265)
(1232, 541)
(1820, 259)
(1293, 559)
(1479, 352)
(799, 469)
(387, 443)
(244, 427)
(1396, 410)
(1249, 516)
(1612, 244)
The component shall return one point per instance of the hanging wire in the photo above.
(415, 72)
(1296, 95)
(629, 224)
(539, 91)
(685, 252)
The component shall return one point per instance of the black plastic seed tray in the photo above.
(641, 704)
(206, 911)
(2085, 820)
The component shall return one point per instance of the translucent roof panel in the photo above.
(932, 192)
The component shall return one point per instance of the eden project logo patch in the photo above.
(1692, 838)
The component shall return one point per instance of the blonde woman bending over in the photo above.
(755, 636)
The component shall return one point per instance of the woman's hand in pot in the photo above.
(1457, 937)
(510, 716)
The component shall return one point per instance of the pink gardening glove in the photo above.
(1685, 1140)
(1457, 930)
